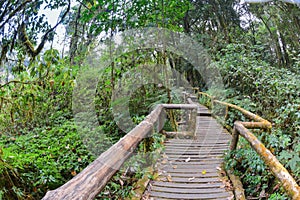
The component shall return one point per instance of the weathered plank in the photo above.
(190, 196)
(190, 169)
(188, 190)
(88, 183)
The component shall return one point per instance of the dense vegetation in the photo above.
(255, 47)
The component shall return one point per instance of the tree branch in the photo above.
(4, 11)
(13, 13)
(45, 36)
(26, 42)
(15, 81)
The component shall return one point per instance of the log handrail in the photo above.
(91, 180)
(241, 128)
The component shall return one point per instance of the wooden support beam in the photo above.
(246, 113)
(254, 125)
(179, 106)
(89, 182)
(250, 115)
(234, 140)
(238, 189)
(288, 182)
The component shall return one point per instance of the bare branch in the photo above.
(13, 13)
(45, 36)
(14, 82)
(4, 11)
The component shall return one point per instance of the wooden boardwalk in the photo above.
(190, 168)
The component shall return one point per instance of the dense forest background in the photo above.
(256, 48)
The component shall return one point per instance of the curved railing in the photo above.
(242, 128)
(90, 182)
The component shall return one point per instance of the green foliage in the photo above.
(38, 93)
(123, 183)
(22, 26)
(44, 158)
(278, 196)
(258, 58)
(250, 168)
(268, 91)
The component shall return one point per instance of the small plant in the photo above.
(43, 159)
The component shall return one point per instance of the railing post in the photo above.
(212, 102)
(278, 170)
(194, 122)
(235, 139)
(161, 120)
(226, 113)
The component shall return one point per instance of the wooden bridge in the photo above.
(189, 167)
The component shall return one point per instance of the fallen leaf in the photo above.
(169, 178)
(73, 173)
(203, 172)
(188, 159)
(164, 161)
(218, 168)
(190, 179)
(174, 166)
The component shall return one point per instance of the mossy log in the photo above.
(288, 182)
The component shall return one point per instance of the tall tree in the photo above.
(21, 25)
(282, 22)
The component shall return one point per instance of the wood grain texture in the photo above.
(190, 168)
(88, 183)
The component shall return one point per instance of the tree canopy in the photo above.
(254, 47)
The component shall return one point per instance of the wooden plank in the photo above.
(196, 175)
(187, 190)
(89, 182)
(212, 152)
(206, 144)
(195, 168)
(199, 144)
(203, 162)
(209, 160)
(189, 141)
(196, 149)
(179, 106)
(185, 160)
(190, 196)
(190, 180)
(193, 158)
(175, 161)
(172, 170)
(195, 152)
(193, 142)
(187, 185)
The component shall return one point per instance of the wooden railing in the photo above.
(242, 128)
(88, 183)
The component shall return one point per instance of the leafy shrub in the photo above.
(44, 159)
(122, 184)
(273, 93)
